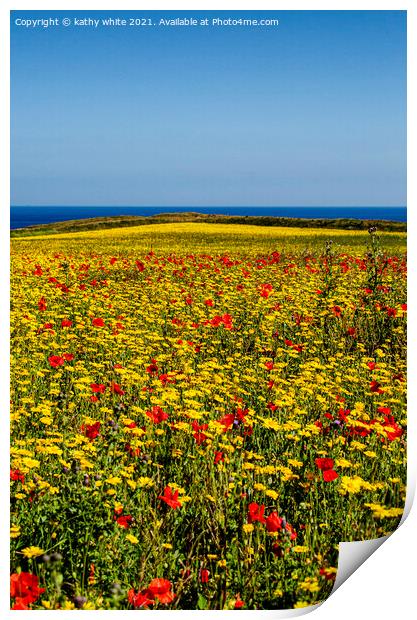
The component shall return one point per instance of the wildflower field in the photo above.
(200, 413)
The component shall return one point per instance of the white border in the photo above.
(385, 585)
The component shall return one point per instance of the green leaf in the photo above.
(202, 602)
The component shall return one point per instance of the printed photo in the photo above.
(208, 304)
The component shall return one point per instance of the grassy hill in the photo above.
(98, 223)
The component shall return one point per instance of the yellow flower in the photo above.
(30, 463)
(381, 512)
(132, 539)
(310, 584)
(144, 482)
(248, 528)
(114, 480)
(68, 605)
(14, 531)
(32, 552)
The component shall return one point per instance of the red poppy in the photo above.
(42, 304)
(66, 323)
(273, 522)
(68, 357)
(337, 311)
(256, 513)
(324, 464)
(20, 607)
(376, 387)
(56, 360)
(330, 475)
(227, 420)
(157, 414)
(239, 603)
(218, 457)
(15, 474)
(24, 587)
(198, 435)
(139, 266)
(98, 388)
(91, 430)
(139, 599)
(124, 520)
(384, 410)
(225, 320)
(98, 322)
(395, 431)
(161, 589)
(116, 389)
(170, 498)
(291, 531)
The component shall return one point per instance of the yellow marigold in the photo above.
(272, 424)
(115, 480)
(350, 485)
(32, 552)
(300, 549)
(381, 512)
(132, 539)
(310, 584)
(143, 481)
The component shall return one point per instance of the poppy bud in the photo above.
(204, 575)
(115, 589)
(79, 601)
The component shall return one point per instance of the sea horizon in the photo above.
(24, 216)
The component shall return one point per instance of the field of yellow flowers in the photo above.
(202, 412)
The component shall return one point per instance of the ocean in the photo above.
(20, 217)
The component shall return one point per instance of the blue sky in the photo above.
(312, 112)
